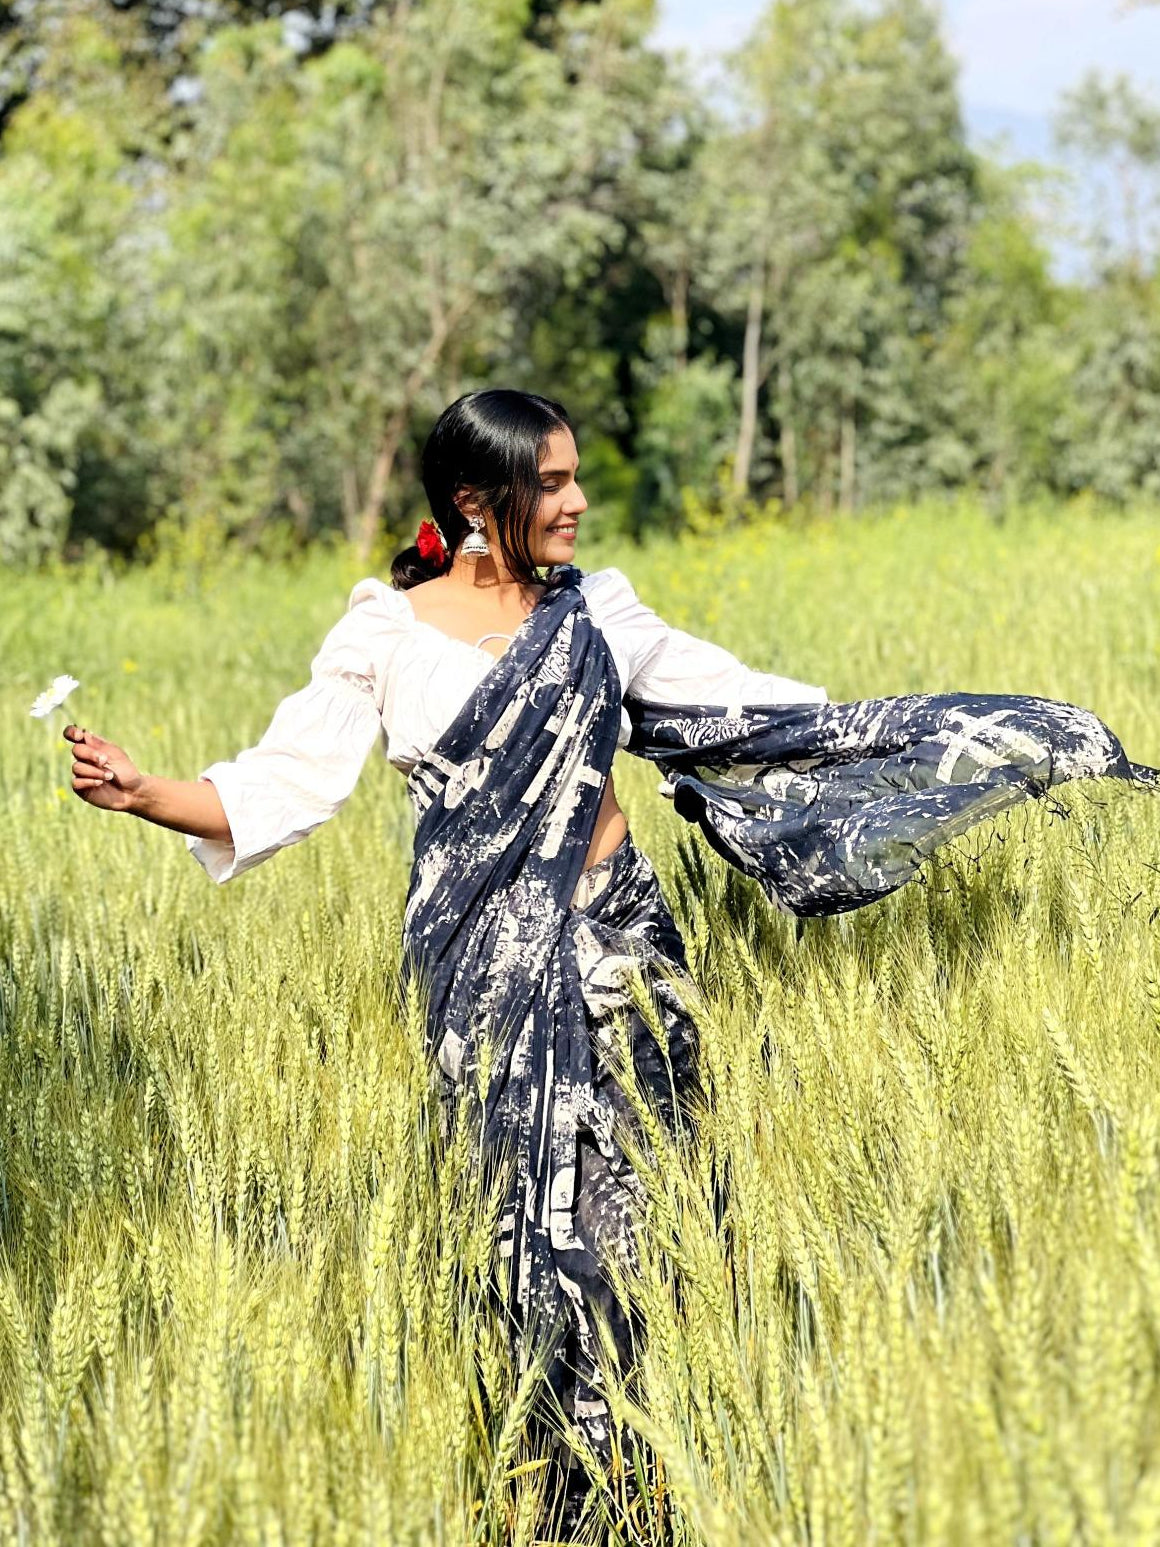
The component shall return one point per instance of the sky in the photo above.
(1016, 55)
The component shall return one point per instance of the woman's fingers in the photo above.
(92, 771)
(79, 734)
(88, 743)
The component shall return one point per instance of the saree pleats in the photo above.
(619, 926)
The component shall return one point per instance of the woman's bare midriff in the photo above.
(611, 827)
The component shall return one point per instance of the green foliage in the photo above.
(853, 196)
(39, 454)
(72, 292)
(684, 438)
(1113, 123)
(1005, 363)
(269, 256)
(1114, 444)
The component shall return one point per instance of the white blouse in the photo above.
(384, 675)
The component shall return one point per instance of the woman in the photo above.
(407, 661)
(503, 680)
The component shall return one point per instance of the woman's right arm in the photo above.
(104, 775)
(239, 812)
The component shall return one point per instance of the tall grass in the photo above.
(903, 1285)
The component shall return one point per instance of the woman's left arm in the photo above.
(670, 666)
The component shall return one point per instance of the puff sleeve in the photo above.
(669, 666)
(309, 759)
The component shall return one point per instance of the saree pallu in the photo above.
(828, 806)
(833, 806)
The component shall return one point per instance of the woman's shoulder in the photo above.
(606, 584)
(613, 601)
(363, 640)
(378, 600)
(375, 621)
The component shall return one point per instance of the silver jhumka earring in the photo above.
(475, 543)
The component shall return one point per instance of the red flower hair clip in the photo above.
(430, 542)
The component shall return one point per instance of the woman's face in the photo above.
(554, 531)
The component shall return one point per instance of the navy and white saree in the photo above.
(520, 950)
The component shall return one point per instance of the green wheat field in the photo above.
(242, 1278)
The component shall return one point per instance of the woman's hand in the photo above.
(103, 774)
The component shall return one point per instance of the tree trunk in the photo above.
(371, 515)
(351, 503)
(826, 474)
(790, 493)
(751, 364)
(747, 432)
(302, 509)
(444, 323)
(680, 310)
(848, 462)
(789, 459)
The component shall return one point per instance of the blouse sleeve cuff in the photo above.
(224, 858)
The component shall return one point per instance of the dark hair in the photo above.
(490, 444)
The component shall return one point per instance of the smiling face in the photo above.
(547, 534)
(562, 504)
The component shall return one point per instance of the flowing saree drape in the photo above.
(831, 806)
(828, 806)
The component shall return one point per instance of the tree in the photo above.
(852, 192)
(1113, 410)
(72, 283)
(1002, 376)
(1113, 124)
(353, 238)
(779, 207)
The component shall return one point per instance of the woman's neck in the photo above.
(487, 575)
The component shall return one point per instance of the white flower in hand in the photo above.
(54, 696)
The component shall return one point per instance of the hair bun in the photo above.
(410, 568)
